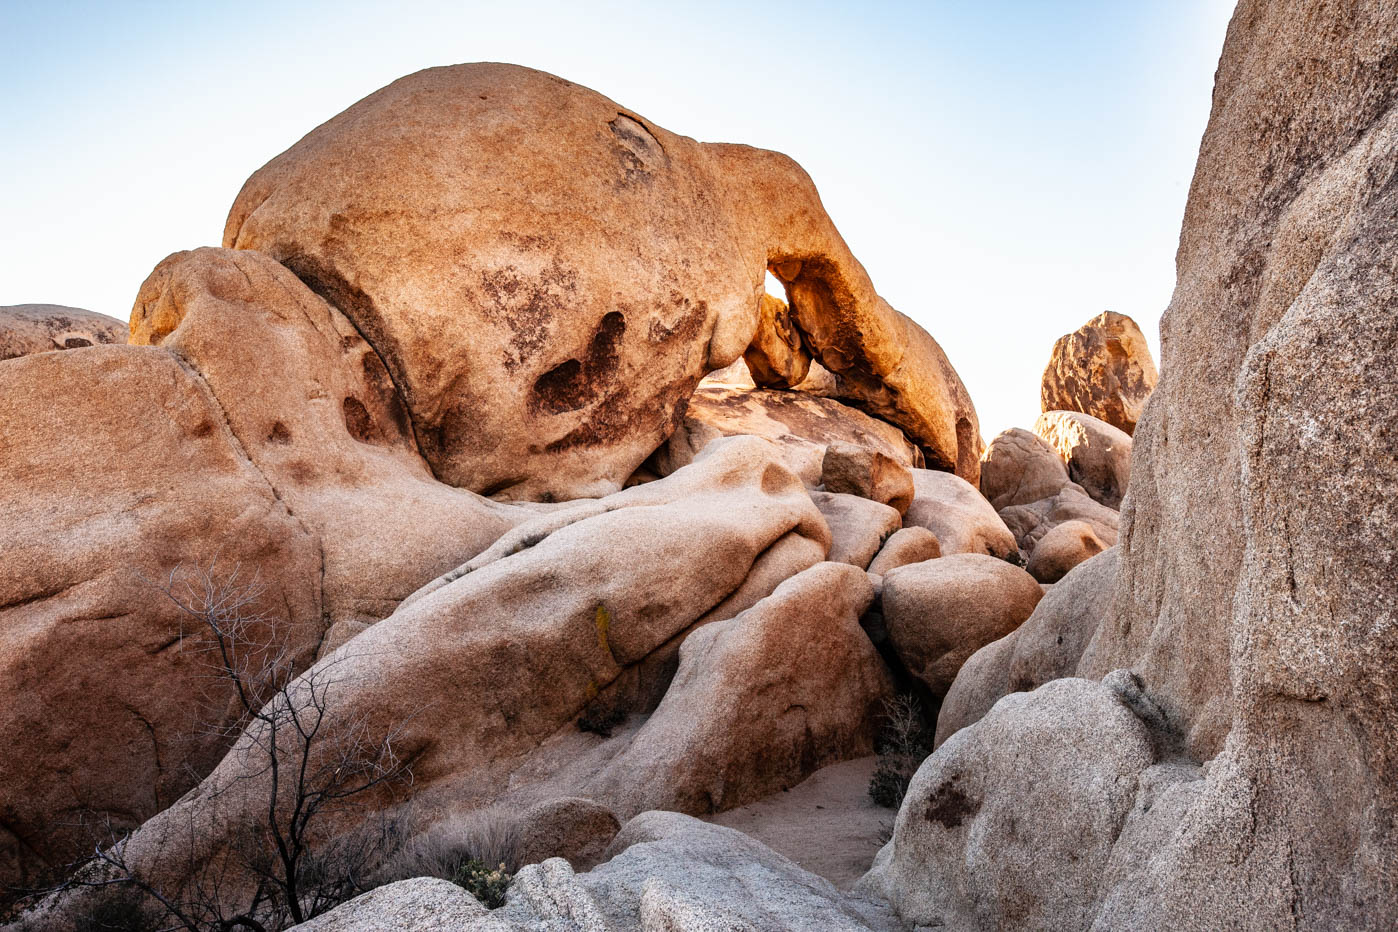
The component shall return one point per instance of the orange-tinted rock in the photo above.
(1104, 368)
(547, 275)
(776, 357)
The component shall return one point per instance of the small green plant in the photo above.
(487, 884)
(903, 745)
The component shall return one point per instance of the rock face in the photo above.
(84, 626)
(1020, 468)
(1097, 454)
(599, 266)
(962, 519)
(981, 840)
(1103, 369)
(1254, 607)
(803, 425)
(40, 328)
(259, 440)
(942, 611)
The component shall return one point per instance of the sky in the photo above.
(1004, 169)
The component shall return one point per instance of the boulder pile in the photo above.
(447, 547)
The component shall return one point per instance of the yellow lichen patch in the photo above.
(604, 624)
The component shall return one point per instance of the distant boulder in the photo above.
(40, 328)
(1104, 368)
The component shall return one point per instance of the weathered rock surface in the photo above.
(962, 519)
(866, 472)
(570, 601)
(1097, 454)
(940, 612)
(802, 424)
(579, 319)
(671, 872)
(906, 545)
(1104, 369)
(573, 828)
(1029, 523)
(41, 328)
(1048, 646)
(422, 904)
(1020, 468)
(1062, 548)
(312, 406)
(1254, 606)
(119, 468)
(981, 840)
(775, 357)
(858, 526)
(260, 441)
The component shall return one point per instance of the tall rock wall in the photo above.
(1254, 629)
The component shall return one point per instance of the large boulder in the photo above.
(258, 449)
(570, 604)
(940, 612)
(759, 702)
(119, 470)
(958, 514)
(982, 841)
(41, 328)
(313, 408)
(1019, 468)
(1104, 369)
(803, 425)
(775, 357)
(1049, 645)
(1097, 454)
(547, 275)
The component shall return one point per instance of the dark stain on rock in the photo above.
(575, 383)
(358, 422)
(279, 434)
(949, 806)
(377, 380)
(637, 149)
(75, 342)
(527, 304)
(203, 428)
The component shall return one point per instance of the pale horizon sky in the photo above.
(1004, 170)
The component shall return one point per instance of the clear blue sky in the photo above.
(1005, 170)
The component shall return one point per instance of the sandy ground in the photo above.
(827, 824)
